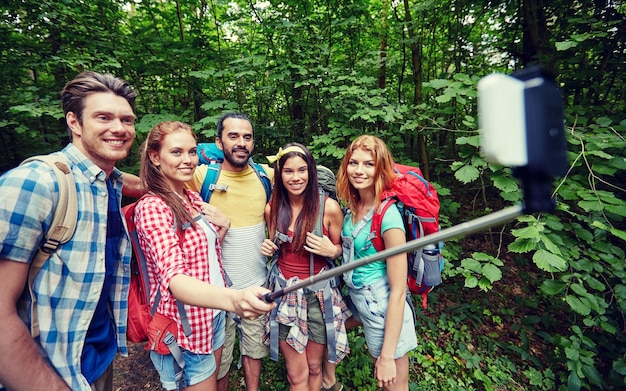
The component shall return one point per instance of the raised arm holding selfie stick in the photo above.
(521, 121)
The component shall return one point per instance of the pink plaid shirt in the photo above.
(169, 253)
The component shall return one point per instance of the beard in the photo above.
(236, 161)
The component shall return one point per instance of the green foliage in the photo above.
(322, 73)
(357, 371)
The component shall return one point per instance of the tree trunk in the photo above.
(536, 38)
(416, 67)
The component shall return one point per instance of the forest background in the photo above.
(537, 304)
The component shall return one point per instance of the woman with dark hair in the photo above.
(301, 317)
(180, 237)
(378, 290)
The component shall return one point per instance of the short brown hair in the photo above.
(89, 82)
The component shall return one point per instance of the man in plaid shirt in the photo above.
(81, 290)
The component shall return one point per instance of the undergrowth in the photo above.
(466, 342)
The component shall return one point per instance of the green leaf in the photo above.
(443, 98)
(438, 83)
(592, 374)
(572, 354)
(596, 284)
(577, 305)
(560, 46)
(471, 264)
(579, 289)
(619, 366)
(589, 206)
(617, 232)
(620, 292)
(552, 287)
(481, 256)
(549, 262)
(573, 382)
(467, 174)
(550, 246)
(505, 184)
(523, 245)
(584, 234)
(608, 327)
(470, 140)
(471, 282)
(492, 272)
(529, 232)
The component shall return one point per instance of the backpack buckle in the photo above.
(214, 186)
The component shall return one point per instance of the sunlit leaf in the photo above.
(549, 262)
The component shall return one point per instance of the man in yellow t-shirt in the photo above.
(243, 202)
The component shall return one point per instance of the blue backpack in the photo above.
(210, 154)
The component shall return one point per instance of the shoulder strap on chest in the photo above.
(66, 212)
(213, 172)
(318, 229)
(377, 223)
(62, 227)
(264, 178)
(210, 181)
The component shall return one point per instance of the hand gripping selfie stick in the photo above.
(521, 121)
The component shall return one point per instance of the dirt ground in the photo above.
(135, 372)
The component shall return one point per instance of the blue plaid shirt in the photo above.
(68, 286)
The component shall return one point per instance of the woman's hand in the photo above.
(250, 304)
(215, 217)
(385, 371)
(268, 248)
(247, 303)
(322, 245)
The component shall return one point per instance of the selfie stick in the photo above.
(521, 120)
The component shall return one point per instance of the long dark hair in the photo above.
(151, 177)
(281, 213)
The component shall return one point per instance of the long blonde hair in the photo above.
(383, 177)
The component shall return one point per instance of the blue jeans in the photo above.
(198, 367)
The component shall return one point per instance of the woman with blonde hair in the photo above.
(378, 290)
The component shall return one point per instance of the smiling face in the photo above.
(361, 170)
(237, 142)
(107, 129)
(177, 159)
(295, 175)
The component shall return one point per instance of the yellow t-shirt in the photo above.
(244, 203)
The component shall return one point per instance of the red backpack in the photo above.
(140, 313)
(417, 201)
(139, 291)
(144, 323)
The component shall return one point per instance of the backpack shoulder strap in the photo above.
(265, 179)
(377, 223)
(62, 227)
(66, 212)
(318, 229)
(210, 181)
(213, 172)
